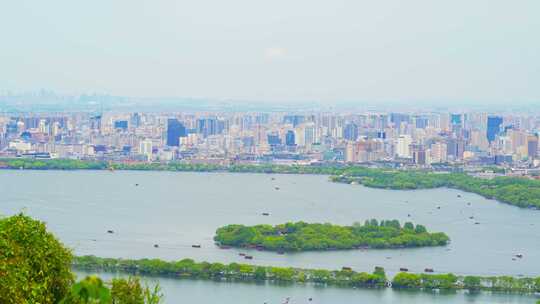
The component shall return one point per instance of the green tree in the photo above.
(91, 290)
(34, 266)
(131, 291)
(472, 282)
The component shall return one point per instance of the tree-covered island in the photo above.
(302, 236)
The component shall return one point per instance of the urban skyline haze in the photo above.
(481, 52)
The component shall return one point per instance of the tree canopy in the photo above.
(34, 266)
(301, 236)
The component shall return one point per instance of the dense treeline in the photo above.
(36, 268)
(520, 192)
(302, 236)
(188, 268)
(451, 281)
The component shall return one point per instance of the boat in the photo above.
(477, 223)
(248, 257)
(519, 255)
(156, 246)
(242, 254)
(277, 188)
(224, 247)
(344, 268)
(110, 231)
(459, 195)
(265, 214)
(403, 269)
(428, 270)
(196, 246)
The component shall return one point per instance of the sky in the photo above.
(481, 51)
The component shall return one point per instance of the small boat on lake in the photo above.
(428, 270)
(196, 246)
(156, 246)
(403, 269)
(110, 231)
(248, 257)
(265, 214)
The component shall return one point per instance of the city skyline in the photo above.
(413, 140)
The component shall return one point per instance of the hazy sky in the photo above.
(283, 50)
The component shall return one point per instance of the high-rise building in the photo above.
(403, 146)
(494, 124)
(397, 119)
(350, 132)
(418, 154)
(145, 148)
(310, 135)
(295, 120)
(350, 152)
(532, 147)
(455, 119)
(289, 138)
(175, 130)
(210, 126)
(273, 139)
(121, 125)
(95, 123)
(421, 122)
(455, 148)
(136, 120)
(438, 152)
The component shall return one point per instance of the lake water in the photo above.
(177, 210)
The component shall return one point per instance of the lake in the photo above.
(177, 210)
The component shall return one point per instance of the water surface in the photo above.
(177, 210)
